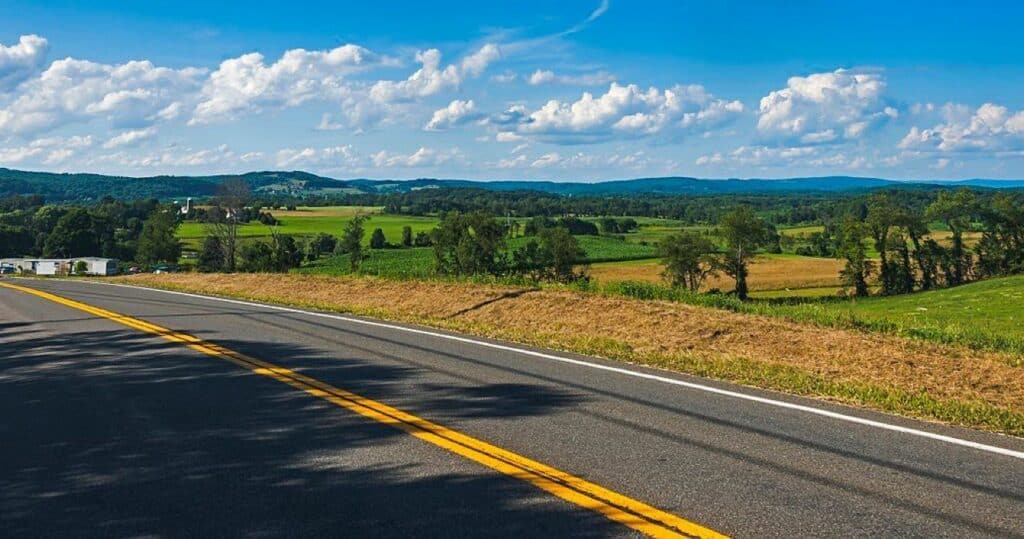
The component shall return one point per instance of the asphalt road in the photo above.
(111, 431)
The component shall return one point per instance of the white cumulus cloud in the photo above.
(132, 94)
(130, 138)
(622, 111)
(20, 61)
(457, 112)
(247, 83)
(823, 108)
(990, 128)
(431, 78)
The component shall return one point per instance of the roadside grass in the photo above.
(887, 373)
(986, 315)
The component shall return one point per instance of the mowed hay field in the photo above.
(767, 273)
(944, 382)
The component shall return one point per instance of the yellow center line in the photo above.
(616, 507)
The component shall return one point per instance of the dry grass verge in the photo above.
(947, 383)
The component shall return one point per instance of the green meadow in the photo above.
(306, 222)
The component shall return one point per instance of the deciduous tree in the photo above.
(689, 259)
(744, 233)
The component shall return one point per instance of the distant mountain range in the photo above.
(71, 187)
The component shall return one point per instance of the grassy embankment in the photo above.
(946, 382)
(987, 315)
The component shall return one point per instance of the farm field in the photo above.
(767, 273)
(991, 307)
(311, 221)
(418, 262)
(626, 257)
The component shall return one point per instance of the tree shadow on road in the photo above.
(119, 433)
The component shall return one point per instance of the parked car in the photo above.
(4, 270)
(165, 269)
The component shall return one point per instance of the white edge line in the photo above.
(618, 370)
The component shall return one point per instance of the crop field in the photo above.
(311, 221)
(605, 248)
(419, 262)
(411, 263)
(778, 273)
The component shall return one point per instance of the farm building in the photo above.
(61, 266)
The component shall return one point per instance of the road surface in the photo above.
(114, 428)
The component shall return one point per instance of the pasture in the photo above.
(310, 221)
(418, 262)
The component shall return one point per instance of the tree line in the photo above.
(142, 230)
(893, 228)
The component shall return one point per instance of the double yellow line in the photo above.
(616, 507)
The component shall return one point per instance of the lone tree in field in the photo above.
(552, 256)
(406, 236)
(689, 259)
(744, 233)
(852, 235)
(468, 244)
(957, 211)
(232, 197)
(377, 239)
(322, 243)
(211, 256)
(352, 242)
(157, 242)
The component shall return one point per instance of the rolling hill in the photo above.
(83, 186)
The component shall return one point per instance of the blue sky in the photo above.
(576, 90)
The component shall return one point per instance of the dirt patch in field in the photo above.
(638, 330)
(765, 273)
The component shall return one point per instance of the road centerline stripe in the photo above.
(577, 491)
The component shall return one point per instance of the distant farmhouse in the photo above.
(60, 266)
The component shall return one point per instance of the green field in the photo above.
(605, 248)
(419, 262)
(411, 263)
(312, 221)
(994, 307)
(986, 315)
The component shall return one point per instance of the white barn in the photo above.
(61, 266)
(96, 265)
